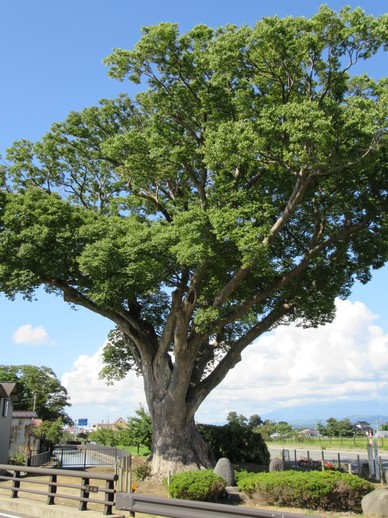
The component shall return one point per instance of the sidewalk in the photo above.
(35, 509)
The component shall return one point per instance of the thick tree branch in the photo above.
(153, 198)
(297, 194)
(185, 350)
(244, 308)
(233, 356)
(126, 323)
(168, 331)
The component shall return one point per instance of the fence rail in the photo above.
(58, 478)
(175, 508)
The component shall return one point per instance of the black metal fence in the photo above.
(87, 455)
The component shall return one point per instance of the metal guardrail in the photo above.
(53, 483)
(175, 508)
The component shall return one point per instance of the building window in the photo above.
(5, 408)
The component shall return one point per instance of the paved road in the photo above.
(345, 457)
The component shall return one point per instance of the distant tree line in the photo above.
(337, 428)
(240, 438)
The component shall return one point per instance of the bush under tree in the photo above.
(238, 442)
(202, 485)
(327, 490)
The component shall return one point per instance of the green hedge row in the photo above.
(327, 490)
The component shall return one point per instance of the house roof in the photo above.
(26, 414)
(362, 425)
(117, 422)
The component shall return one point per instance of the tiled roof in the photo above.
(117, 422)
(30, 414)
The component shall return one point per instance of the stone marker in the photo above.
(225, 470)
(375, 504)
(276, 464)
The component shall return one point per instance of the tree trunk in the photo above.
(176, 444)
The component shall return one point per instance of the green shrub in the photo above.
(18, 459)
(327, 490)
(241, 473)
(203, 485)
(142, 471)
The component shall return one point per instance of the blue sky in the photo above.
(51, 63)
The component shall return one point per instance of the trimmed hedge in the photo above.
(203, 485)
(327, 490)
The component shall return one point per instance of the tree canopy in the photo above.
(38, 389)
(243, 188)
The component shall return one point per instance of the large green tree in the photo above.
(38, 389)
(243, 188)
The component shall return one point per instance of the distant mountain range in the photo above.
(307, 416)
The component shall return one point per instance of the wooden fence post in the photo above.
(52, 489)
(15, 484)
(83, 505)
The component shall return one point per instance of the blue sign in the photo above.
(82, 422)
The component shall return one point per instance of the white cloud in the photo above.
(93, 398)
(27, 334)
(346, 360)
